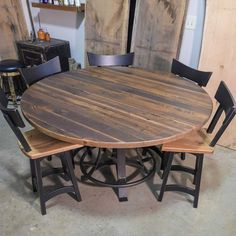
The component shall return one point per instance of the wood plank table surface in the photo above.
(118, 107)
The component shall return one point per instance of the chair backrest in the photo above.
(226, 104)
(110, 60)
(33, 74)
(200, 77)
(14, 120)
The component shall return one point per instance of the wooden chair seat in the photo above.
(42, 145)
(196, 142)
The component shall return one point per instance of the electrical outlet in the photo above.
(191, 22)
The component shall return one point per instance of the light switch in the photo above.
(191, 22)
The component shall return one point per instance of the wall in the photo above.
(192, 38)
(60, 24)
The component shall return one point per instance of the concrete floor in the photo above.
(100, 213)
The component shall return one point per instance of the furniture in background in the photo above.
(110, 60)
(198, 143)
(37, 146)
(38, 52)
(11, 82)
(69, 8)
(33, 74)
(199, 77)
(96, 108)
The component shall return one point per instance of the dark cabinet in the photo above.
(37, 52)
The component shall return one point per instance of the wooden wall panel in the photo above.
(12, 27)
(158, 32)
(219, 52)
(106, 26)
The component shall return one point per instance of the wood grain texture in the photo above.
(116, 107)
(195, 142)
(157, 33)
(219, 55)
(12, 27)
(106, 26)
(42, 145)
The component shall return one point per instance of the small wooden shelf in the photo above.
(59, 7)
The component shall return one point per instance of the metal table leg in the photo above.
(121, 174)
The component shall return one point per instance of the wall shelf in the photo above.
(59, 7)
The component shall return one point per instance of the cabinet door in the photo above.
(106, 26)
(157, 32)
(219, 54)
(12, 27)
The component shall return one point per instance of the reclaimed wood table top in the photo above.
(118, 107)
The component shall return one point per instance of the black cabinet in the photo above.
(37, 52)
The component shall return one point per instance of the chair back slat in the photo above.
(33, 74)
(228, 106)
(110, 60)
(200, 77)
(14, 120)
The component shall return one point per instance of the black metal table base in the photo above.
(144, 165)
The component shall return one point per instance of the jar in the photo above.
(41, 34)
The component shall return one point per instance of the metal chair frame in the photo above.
(228, 106)
(33, 74)
(200, 77)
(110, 60)
(14, 120)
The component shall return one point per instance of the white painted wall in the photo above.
(62, 25)
(192, 38)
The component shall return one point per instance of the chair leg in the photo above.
(72, 154)
(199, 164)
(33, 175)
(68, 160)
(196, 164)
(182, 156)
(164, 160)
(39, 180)
(169, 157)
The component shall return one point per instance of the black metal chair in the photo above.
(199, 77)
(33, 74)
(110, 60)
(37, 146)
(197, 143)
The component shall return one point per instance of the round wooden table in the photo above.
(119, 108)
(116, 108)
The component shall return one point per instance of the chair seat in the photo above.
(10, 65)
(195, 142)
(42, 145)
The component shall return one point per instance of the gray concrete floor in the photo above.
(100, 213)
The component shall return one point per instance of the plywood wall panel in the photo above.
(219, 52)
(158, 32)
(12, 27)
(106, 26)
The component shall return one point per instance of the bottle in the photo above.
(47, 37)
(41, 34)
